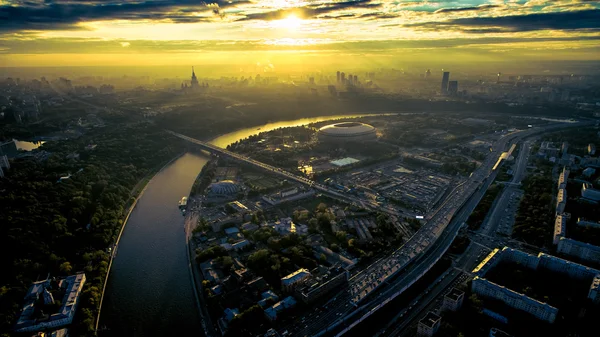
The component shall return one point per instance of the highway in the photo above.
(290, 176)
(362, 296)
(475, 251)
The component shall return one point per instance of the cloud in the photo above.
(310, 11)
(466, 9)
(574, 20)
(48, 15)
(125, 44)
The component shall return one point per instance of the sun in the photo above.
(292, 22)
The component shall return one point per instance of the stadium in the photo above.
(347, 132)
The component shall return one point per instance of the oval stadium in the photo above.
(347, 132)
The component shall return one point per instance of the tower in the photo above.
(445, 79)
(194, 82)
(452, 88)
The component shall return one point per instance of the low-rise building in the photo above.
(498, 333)
(240, 245)
(594, 293)
(560, 225)
(272, 312)
(250, 227)
(591, 149)
(429, 324)
(321, 284)
(540, 310)
(585, 223)
(562, 178)
(289, 195)
(582, 250)
(30, 322)
(513, 299)
(561, 201)
(294, 279)
(453, 300)
(56, 333)
(588, 172)
(237, 207)
(589, 192)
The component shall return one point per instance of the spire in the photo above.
(194, 82)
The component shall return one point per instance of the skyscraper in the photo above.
(445, 80)
(194, 82)
(453, 88)
(338, 76)
(343, 77)
(355, 80)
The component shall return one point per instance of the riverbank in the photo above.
(143, 182)
(191, 221)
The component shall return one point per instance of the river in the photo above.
(149, 291)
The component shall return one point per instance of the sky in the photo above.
(376, 32)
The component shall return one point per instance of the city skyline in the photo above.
(43, 33)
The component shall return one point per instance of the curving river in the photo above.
(149, 291)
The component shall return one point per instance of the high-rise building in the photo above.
(453, 88)
(194, 82)
(428, 73)
(445, 79)
(343, 78)
(350, 78)
(355, 80)
(338, 76)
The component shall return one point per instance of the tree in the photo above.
(65, 267)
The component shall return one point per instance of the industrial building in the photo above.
(347, 132)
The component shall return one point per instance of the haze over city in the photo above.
(299, 168)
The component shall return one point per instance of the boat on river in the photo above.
(183, 202)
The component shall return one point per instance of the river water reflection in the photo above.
(149, 291)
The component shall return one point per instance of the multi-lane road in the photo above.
(290, 176)
(378, 284)
(470, 258)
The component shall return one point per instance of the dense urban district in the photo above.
(433, 212)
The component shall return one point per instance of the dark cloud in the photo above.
(45, 15)
(311, 11)
(379, 15)
(466, 9)
(576, 20)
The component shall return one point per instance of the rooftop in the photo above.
(430, 319)
(455, 294)
(295, 276)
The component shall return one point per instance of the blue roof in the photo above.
(231, 230)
